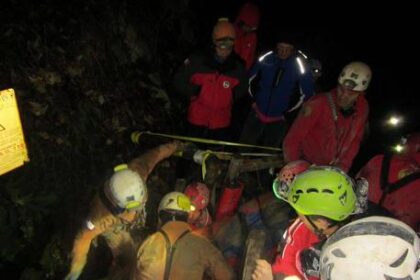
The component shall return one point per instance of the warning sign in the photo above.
(13, 152)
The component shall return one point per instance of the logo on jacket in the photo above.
(226, 84)
(405, 172)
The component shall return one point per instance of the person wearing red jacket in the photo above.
(211, 81)
(330, 126)
(324, 198)
(394, 181)
(298, 238)
(246, 25)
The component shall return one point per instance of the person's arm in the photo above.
(366, 170)
(80, 251)
(306, 82)
(145, 163)
(250, 56)
(182, 79)
(241, 90)
(305, 121)
(263, 272)
(253, 78)
(346, 157)
(217, 265)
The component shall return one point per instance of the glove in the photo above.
(187, 150)
(310, 261)
(262, 271)
(199, 156)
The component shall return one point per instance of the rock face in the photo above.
(86, 74)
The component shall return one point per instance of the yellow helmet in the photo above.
(176, 201)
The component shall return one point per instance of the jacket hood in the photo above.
(249, 14)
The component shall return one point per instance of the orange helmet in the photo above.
(199, 195)
(223, 31)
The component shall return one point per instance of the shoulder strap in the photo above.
(170, 250)
(332, 106)
(386, 187)
(334, 114)
(403, 182)
(386, 163)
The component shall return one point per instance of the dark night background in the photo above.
(86, 73)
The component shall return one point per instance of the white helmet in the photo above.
(355, 76)
(126, 188)
(176, 201)
(371, 248)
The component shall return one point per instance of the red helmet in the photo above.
(290, 170)
(199, 195)
(286, 176)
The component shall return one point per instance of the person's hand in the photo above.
(293, 277)
(179, 146)
(262, 271)
(72, 276)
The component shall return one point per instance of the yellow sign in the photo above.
(13, 152)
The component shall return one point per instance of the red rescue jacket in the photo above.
(246, 41)
(211, 88)
(316, 137)
(298, 237)
(404, 202)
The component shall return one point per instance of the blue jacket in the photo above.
(278, 80)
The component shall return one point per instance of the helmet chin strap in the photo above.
(104, 196)
(319, 231)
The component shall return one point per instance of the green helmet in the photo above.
(325, 191)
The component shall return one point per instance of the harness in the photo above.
(334, 113)
(170, 250)
(387, 187)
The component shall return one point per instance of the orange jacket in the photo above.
(100, 220)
